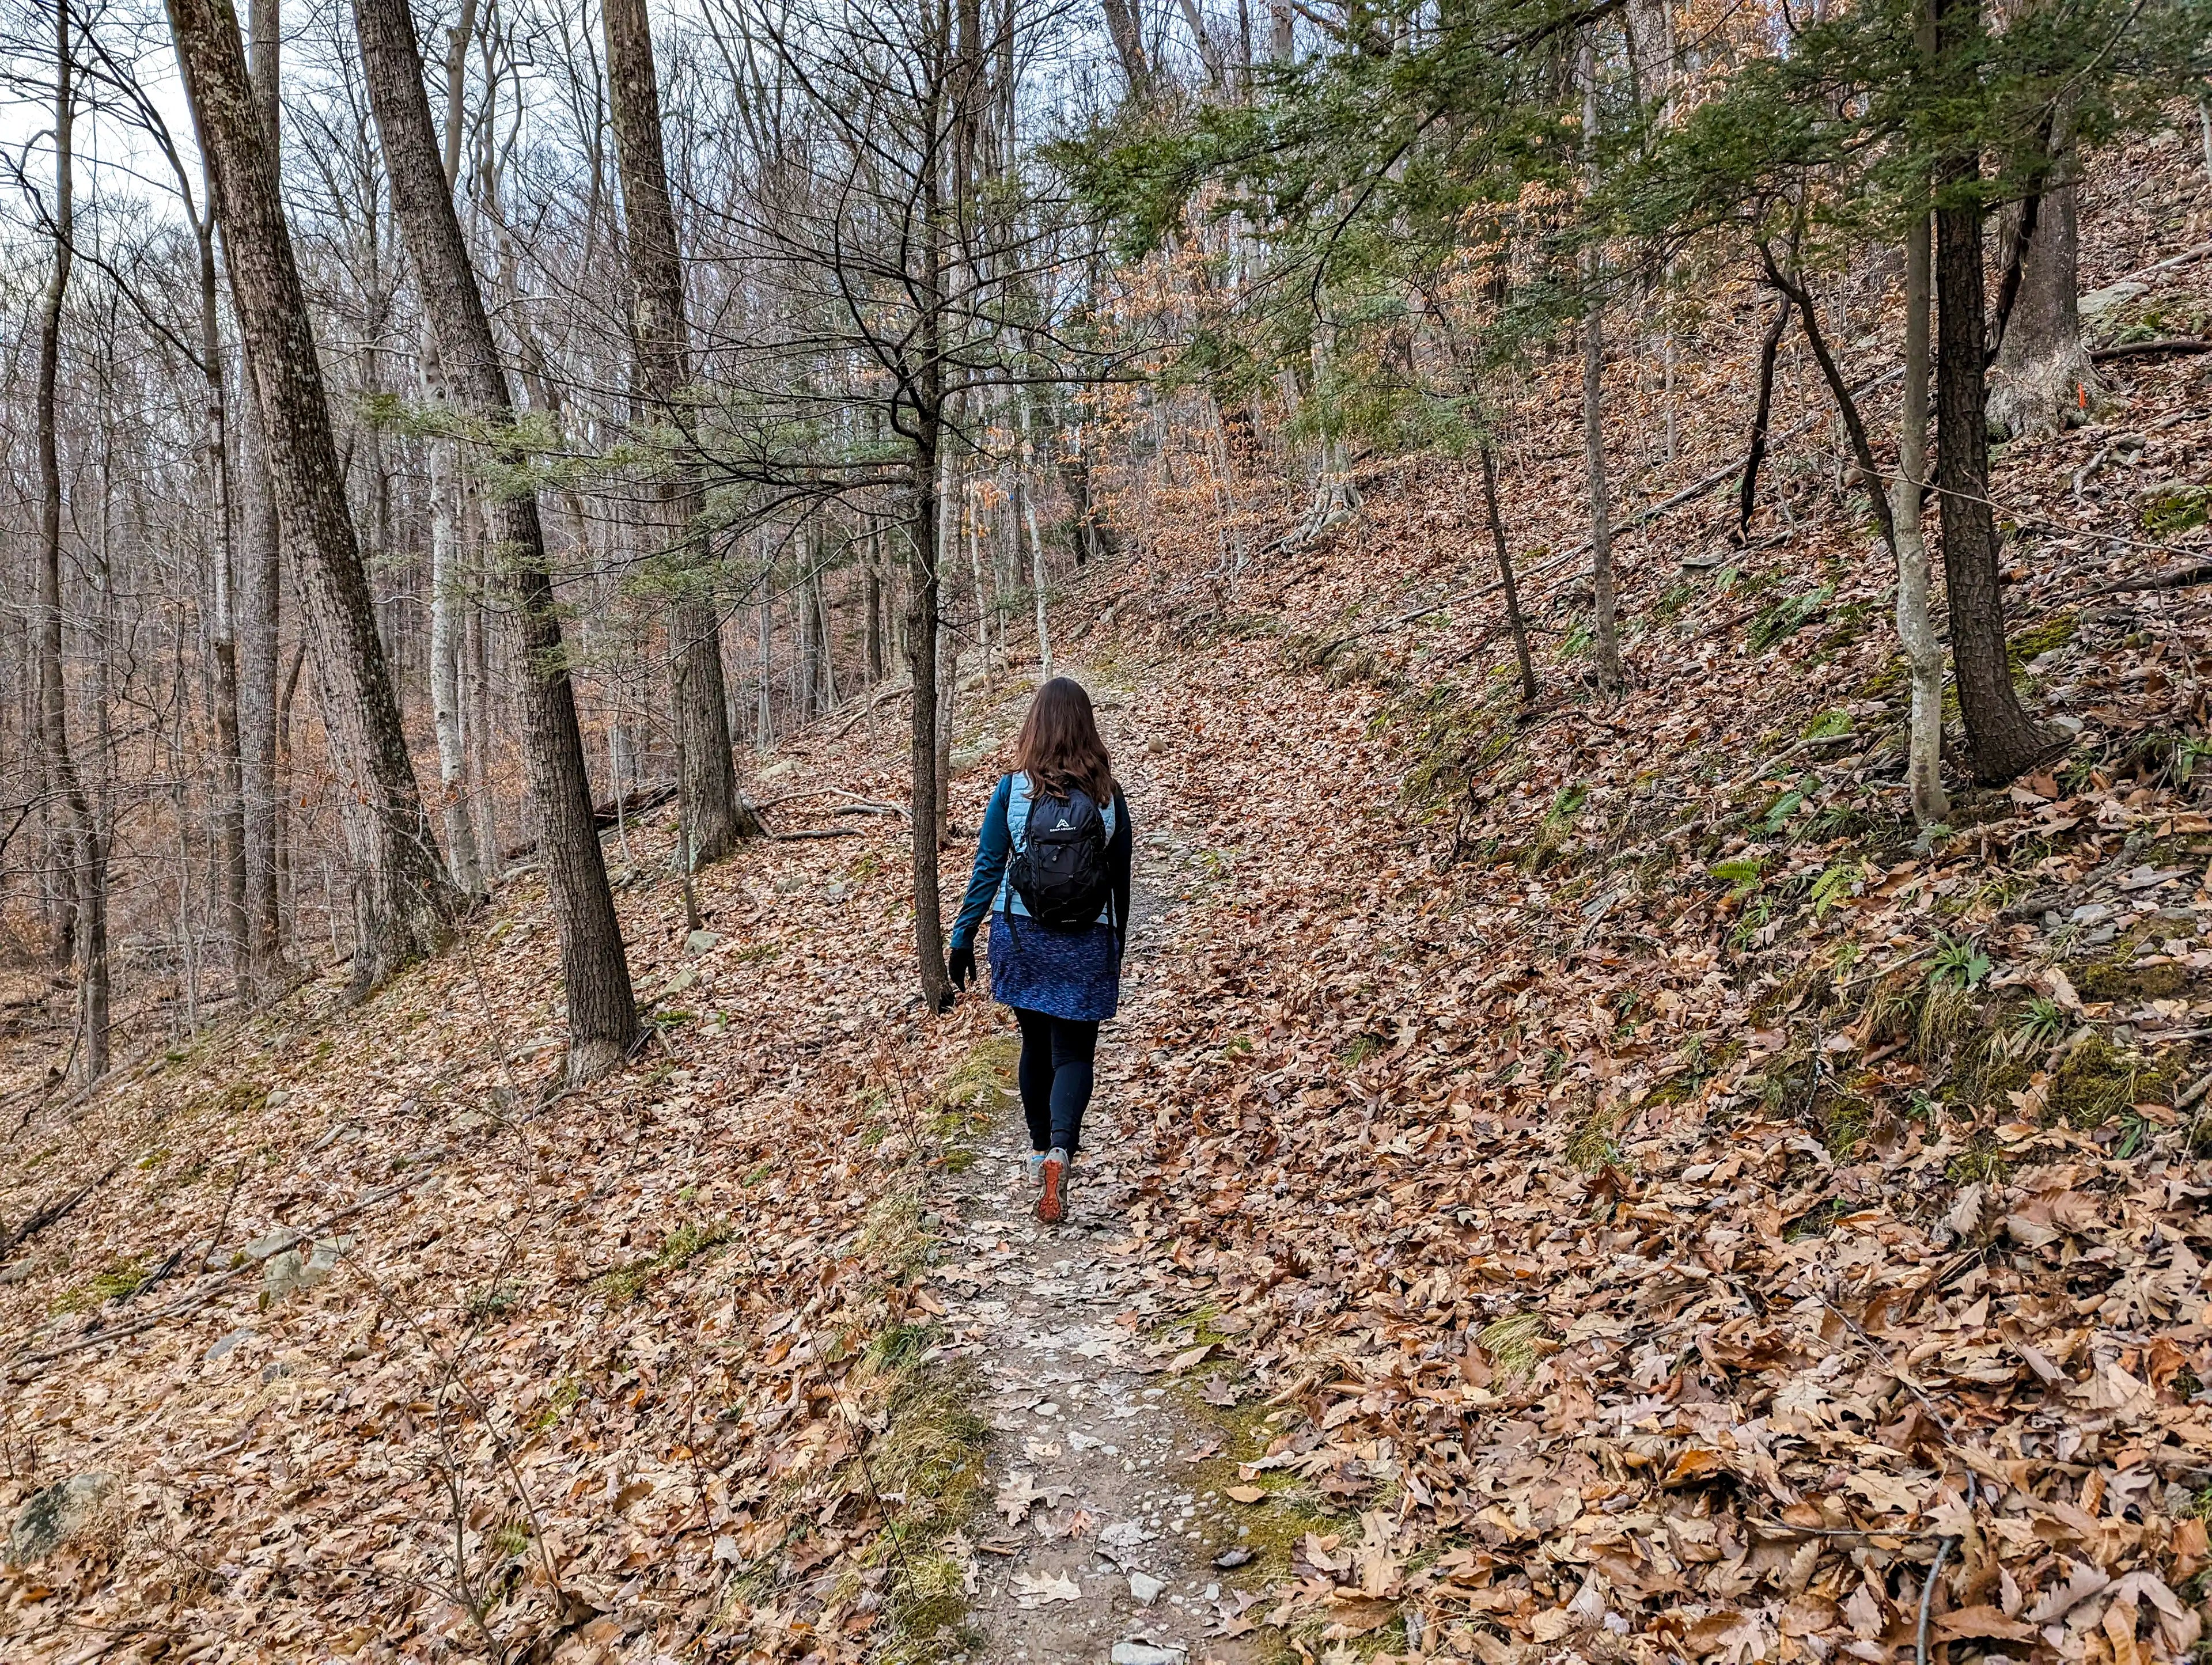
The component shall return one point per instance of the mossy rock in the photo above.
(2040, 638)
(55, 1514)
(2170, 510)
(2097, 1081)
(2107, 980)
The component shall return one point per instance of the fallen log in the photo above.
(608, 816)
(46, 1215)
(636, 801)
(2181, 578)
(2159, 347)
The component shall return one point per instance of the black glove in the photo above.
(962, 967)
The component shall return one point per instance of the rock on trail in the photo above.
(1100, 1549)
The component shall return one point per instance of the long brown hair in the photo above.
(1059, 748)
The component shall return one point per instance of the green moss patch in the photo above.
(2107, 980)
(2171, 510)
(2040, 638)
(1288, 1507)
(686, 1244)
(976, 1089)
(2097, 1081)
(1594, 1142)
(1448, 741)
(120, 1278)
(973, 1094)
(931, 1454)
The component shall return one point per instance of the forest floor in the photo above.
(1585, 1179)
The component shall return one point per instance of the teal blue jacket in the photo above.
(1005, 828)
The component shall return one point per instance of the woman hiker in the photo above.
(1052, 869)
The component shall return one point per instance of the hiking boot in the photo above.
(1052, 1200)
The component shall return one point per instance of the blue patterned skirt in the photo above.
(1075, 975)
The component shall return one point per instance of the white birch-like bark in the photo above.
(445, 598)
(1604, 606)
(1916, 628)
(982, 605)
(1036, 584)
(948, 647)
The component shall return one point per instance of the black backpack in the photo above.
(1061, 871)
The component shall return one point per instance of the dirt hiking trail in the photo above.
(1102, 1547)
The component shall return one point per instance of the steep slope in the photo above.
(361, 1344)
(1667, 1205)
(1586, 1181)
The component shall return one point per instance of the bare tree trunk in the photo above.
(2000, 736)
(1209, 50)
(983, 601)
(407, 901)
(446, 592)
(806, 669)
(86, 937)
(764, 709)
(1088, 535)
(260, 594)
(279, 774)
(875, 579)
(96, 980)
(826, 628)
(661, 340)
(230, 780)
(1916, 628)
(446, 596)
(2043, 381)
(1037, 580)
(925, 438)
(947, 675)
(1125, 26)
(259, 600)
(601, 1009)
(1605, 605)
(921, 637)
(1755, 453)
(1516, 623)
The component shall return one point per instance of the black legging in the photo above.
(1055, 1077)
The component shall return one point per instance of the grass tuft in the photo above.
(1944, 1011)
(1510, 1344)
